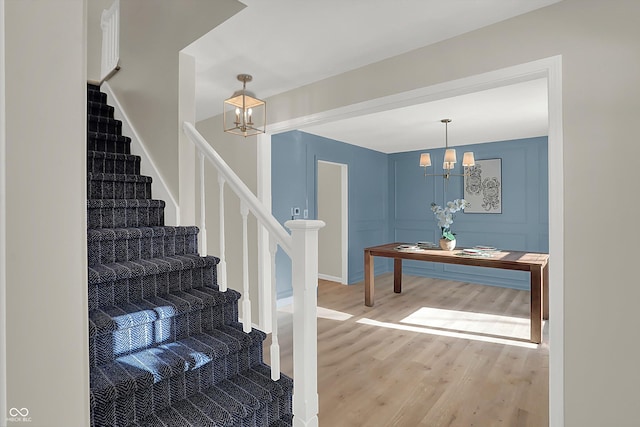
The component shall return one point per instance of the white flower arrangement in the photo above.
(445, 216)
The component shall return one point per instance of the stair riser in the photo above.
(105, 348)
(100, 109)
(100, 189)
(125, 217)
(135, 289)
(96, 96)
(129, 409)
(113, 127)
(130, 166)
(108, 146)
(133, 248)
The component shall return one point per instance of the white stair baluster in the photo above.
(275, 346)
(203, 223)
(222, 265)
(246, 301)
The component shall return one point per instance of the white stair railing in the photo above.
(302, 247)
(110, 24)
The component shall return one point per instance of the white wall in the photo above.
(152, 33)
(600, 101)
(45, 165)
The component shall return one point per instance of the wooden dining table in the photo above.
(537, 264)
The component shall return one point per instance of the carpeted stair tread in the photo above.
(109, 245)
(125, 203)
(233, 402)
(120, 213)
(94, 95)
(95, 108)
(106, 162)
(265, 370)
(212, 408)
(106, 142)
(107, 137)
(129, 269)
(118, 186)
(126, 315)
(285, 421)
(100, 234)
(104, 124)
(118, 177)
(151, 365)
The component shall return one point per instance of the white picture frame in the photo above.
(483, 187)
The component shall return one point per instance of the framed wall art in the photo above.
(483, 187)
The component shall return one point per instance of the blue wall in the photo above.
(522, 225)
(389, 200)
(294, 157)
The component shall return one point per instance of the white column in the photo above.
(305, 325)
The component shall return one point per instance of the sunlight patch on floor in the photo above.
(469, 321)
(323, 313)
(447, 333)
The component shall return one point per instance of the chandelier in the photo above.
(449, 158)
(244, 114)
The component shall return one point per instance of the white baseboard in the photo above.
(147, 166)
(284, 302)
(331, 278)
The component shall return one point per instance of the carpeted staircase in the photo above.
(165, 345)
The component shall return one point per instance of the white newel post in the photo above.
(305, 325)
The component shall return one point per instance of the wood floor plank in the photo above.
(441, 353)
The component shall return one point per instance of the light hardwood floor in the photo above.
(442, 353)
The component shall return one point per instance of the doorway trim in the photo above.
(551, 68)
(344, 220)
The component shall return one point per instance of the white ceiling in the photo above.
(500, 114)
(286, 44)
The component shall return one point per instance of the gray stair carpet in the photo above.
(165, 345)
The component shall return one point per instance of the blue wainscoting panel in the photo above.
(294, 174)
(522, 225)
(390, 198)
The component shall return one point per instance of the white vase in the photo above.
(447, 245)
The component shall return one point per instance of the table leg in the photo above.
(397, 275)
(368, 279)
(536, 305)
(545, 291)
